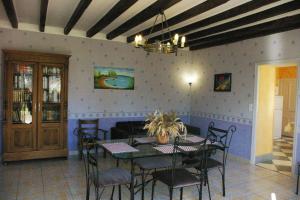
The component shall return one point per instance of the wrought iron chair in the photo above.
(178, 177)
(90, 130)
(102, 178)
(147, 165)
(221, 139)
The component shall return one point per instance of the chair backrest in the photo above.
(87, 149)
(89, 126)
(221, 138)
(201, 150)
(92, 163)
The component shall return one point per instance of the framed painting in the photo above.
(222, 82)
(113, 78)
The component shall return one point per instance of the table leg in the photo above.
(132, 181)
(118, 163)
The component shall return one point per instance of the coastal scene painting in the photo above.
(113, 78)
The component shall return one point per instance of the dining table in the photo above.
(144, 147)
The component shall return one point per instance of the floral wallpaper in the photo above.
(159, 82)
(240, 59)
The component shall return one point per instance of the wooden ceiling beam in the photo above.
(278, 10)
(275, 26)
(43, 14)
(115, 12)
(192, 12)
(141, 17)
(241, 9)
(81, 7)
(11, 12)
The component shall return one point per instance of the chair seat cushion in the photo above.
(114, 176)
(152, 163)
(211, 163)
(182, 178)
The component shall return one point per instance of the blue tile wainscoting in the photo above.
(298, 148)
(105, 123)
(241, 140)
(240, 146)
(241, 143)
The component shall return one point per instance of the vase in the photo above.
(162, 139)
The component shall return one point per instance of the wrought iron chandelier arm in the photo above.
(167, 27)
(153, 25)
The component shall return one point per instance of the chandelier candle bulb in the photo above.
(176, 38)
(182, 41)
(138, 40)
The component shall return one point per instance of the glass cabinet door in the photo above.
(51, 93)
(22, 94)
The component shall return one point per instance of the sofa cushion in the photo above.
(126, 128)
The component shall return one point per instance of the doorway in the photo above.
(275, 117)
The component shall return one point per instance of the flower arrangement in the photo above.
(164, 125)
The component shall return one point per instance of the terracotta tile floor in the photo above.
(65, 180)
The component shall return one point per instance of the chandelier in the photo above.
(160, 46)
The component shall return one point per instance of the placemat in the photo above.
(195, 139)
(145, 140)
(168, 149)
(120, 147)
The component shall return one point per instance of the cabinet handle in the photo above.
(35, 107)
(39, 107)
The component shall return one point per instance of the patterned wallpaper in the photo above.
(159, 78)
(239, 59)
(159, 82)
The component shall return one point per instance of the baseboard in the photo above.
(263, 158)
(31, 155)
(239, 159)
(73, 153)
(219, 156)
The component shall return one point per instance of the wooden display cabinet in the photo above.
(35, 105)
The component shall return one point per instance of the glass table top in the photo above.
(144, 150)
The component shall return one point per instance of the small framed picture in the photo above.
(222, 82)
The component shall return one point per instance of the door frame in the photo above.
(295, 62)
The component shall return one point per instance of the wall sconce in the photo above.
(190, 78)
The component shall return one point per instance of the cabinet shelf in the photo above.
(22, 74)
(21, 123)
(47, 75)
(22, 89)
(23, 102)
(51, 121)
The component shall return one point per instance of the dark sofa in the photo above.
(124, 129)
